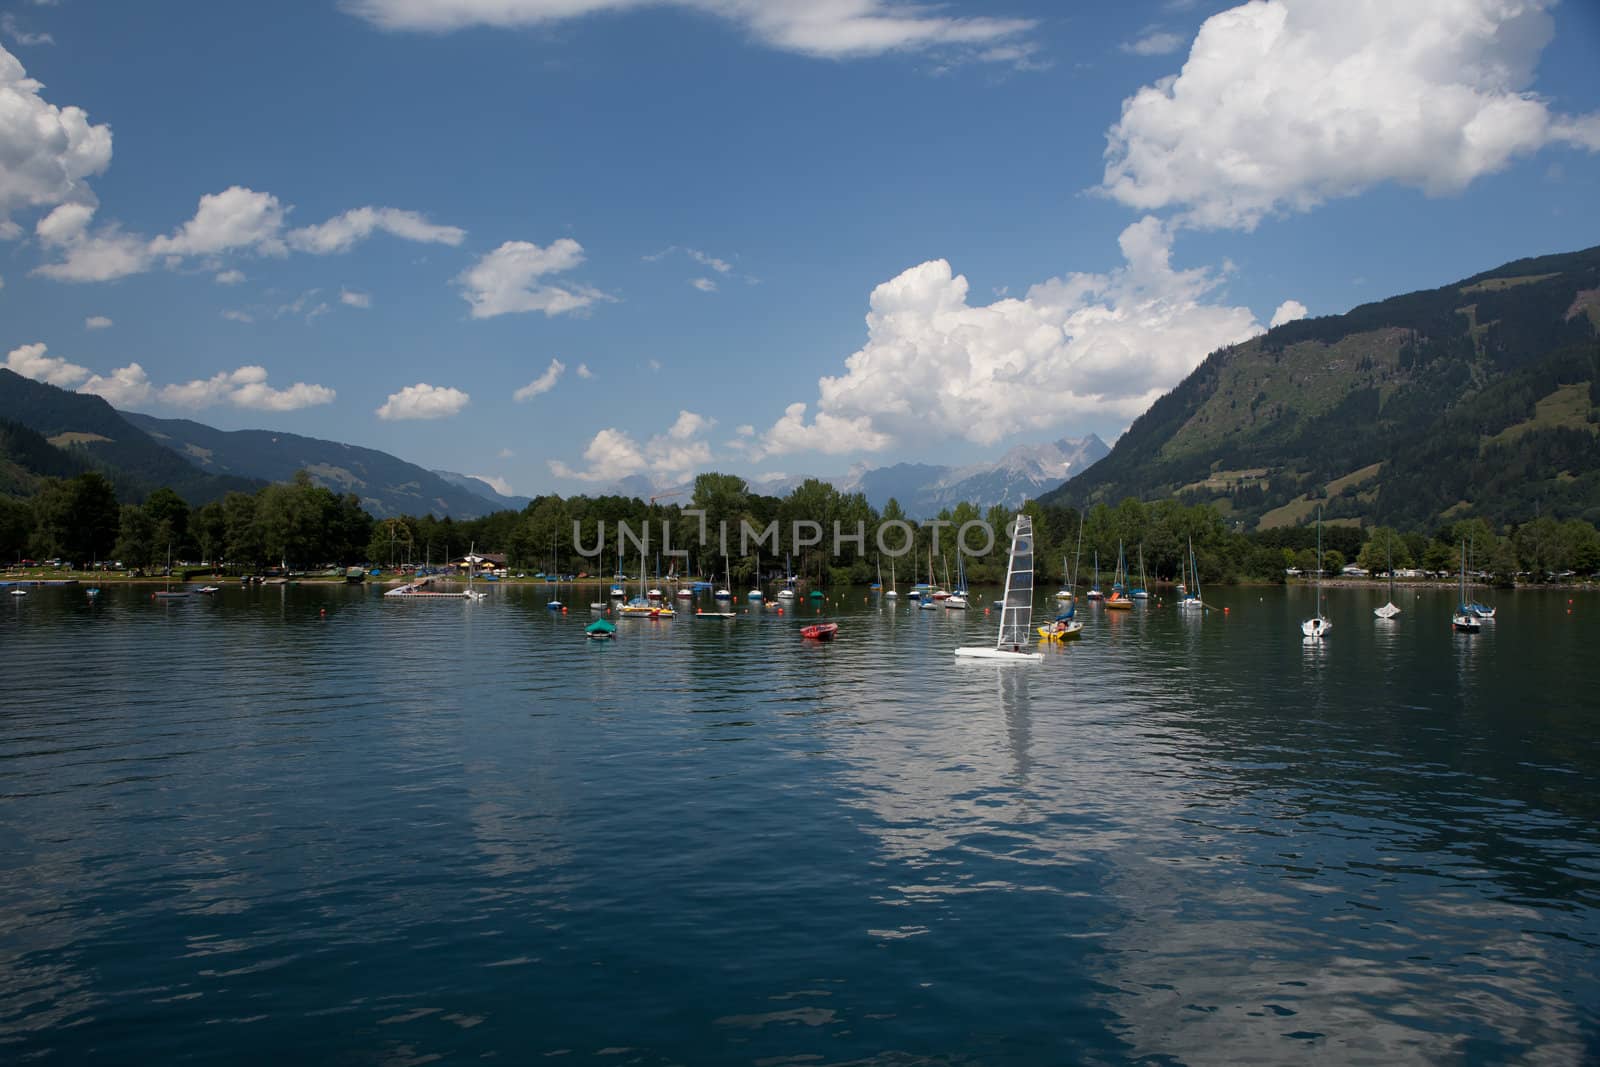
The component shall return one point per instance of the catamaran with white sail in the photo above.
(1016, 614)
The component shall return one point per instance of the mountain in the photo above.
(27, 457)
(385, 485)
(924, 489)
(95, 435)
(1023, 473)
(475, 485)
(1479, 398)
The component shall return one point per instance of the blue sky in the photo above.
(558, 243)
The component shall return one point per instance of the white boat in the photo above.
(19, 592)
(1389, 610)
(891, 593)
(727, 576)
(1319, 624)
(787, 592)
(1065, 592)
(1465, 620)
(958, 599)
(1016, 616)
(1188, 601)
(1094, 590)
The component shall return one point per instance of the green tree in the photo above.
(242, 540)
(169, 514)
(136, 543)
(16, 524)
(209, 528)
(1439, 558)
(1384, 544)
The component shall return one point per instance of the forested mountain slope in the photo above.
(1480, 398)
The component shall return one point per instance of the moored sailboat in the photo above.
(1318, 625)
(1465, 620)
(1389, 610)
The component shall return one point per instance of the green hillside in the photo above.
(386, 486)
(1480, 398)
(88, 433)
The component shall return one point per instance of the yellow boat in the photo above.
(1050, 633)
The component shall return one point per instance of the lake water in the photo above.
(243, 830)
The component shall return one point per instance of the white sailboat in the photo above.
(1016, 615)
(1465, 620)
(891, 593)
(1188, 601)
(755, 591)
(958, 599)
(1389, 610)
(787, 592)
(1318, 625)
(727, 577)
(1065, 592)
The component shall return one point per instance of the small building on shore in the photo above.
(481, 563)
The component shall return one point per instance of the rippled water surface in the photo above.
(304, 824)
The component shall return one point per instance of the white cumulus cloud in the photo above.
(832, 29)
(97, 322)
(1080, 346)
(498, 484)
(46, 152)
(122, 388)
(509, 280)
(542, 384)
(245, 387)
(614, 454)
(99, 256)
(229, 277)
(351, 298)
(1288, 311)
(1285, 104)
(584, 371)
(423, 401)
(342, 232)
(235, 218)
(30, 361)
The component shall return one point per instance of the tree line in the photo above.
(301, 525)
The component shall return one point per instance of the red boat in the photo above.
(820, 631)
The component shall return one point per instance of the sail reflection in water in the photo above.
(247, 830)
